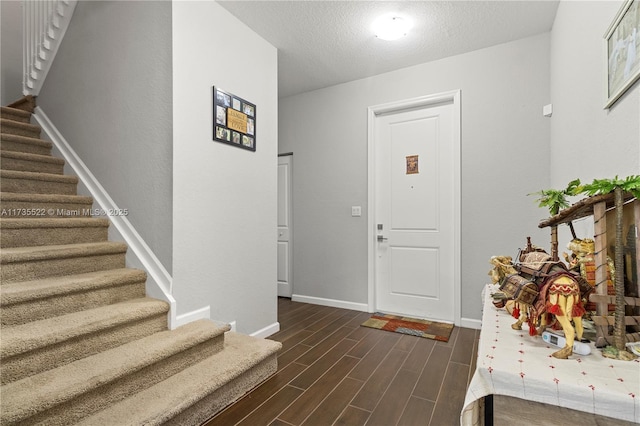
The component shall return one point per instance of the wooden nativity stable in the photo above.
(607, 243)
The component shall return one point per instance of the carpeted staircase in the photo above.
(79, 341)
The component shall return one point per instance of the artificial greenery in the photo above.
(556, 199)
(604, 186)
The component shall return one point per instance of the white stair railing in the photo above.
(44, 24)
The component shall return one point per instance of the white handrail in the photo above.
(159, 281)
(45, 23)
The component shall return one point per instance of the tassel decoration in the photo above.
(516, 312)
(555, 309)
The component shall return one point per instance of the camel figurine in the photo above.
(550, 289)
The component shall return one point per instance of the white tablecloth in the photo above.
(515, 364)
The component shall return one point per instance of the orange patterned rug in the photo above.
(413, 326)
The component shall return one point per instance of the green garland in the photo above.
(604, 186)
(556, 199)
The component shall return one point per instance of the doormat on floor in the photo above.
(413, 326)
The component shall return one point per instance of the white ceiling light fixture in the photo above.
(391, 27)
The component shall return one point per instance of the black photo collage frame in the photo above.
(234, 120)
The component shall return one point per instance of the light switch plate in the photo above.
(356, 211)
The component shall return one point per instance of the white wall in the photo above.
(224, 197)
(505, 156)
(588, 141)
(109, 94)
(11, 47)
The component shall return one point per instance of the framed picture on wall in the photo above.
(622, 52)
(234, 120)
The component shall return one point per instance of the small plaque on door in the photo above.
(412, 165)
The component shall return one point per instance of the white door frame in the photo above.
(419, 102)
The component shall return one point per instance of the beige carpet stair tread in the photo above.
(15, 114)
(8, 137)
(37, 334)
(10, 126)
(45, 198)
(31, 162)
(45, 177)
(25, 254)
(43, 391)
(52, 205)
(27, 156)
(163, 401)
(44, 261)
(79, 222)
(42, 231)
(25, 205)
(26, 301)
(38, 183)
(25, 144)
(21, 292)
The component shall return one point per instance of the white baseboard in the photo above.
(186, 318)
(471, 323)
(267, 331)
(139, 255)
(363, 307)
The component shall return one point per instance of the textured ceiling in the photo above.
(322, 43)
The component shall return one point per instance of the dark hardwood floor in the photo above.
(332, 371)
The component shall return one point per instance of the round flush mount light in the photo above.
(391, 27)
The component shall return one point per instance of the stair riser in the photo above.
(29, 148)
(37, 269)
(31, 166)
(26, 209)
(35, 310)
(31, 237)
(226, 395)
(74, 410)
(49, 357)
(17, 129)
(29, 186)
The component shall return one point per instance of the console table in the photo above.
(514, 364)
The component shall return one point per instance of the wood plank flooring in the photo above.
(332, 371)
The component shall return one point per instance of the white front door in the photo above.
(285, 253)
(416, 161)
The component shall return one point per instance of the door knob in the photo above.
(381, 238)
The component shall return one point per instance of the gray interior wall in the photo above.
(225, 198)
(588, 141)
(11, 48)
(505, 156)
(109, 92)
